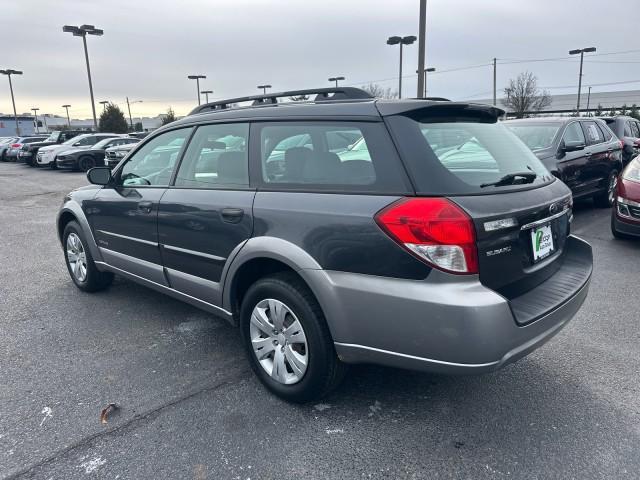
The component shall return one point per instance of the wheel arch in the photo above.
(72, 212)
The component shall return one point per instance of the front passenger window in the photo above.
(153, 164)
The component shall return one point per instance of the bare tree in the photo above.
(523, 95)
(378, 91)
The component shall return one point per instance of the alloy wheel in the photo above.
(279, 342)
(76, 257)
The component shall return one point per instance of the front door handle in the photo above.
(232, 215)
(145, 207)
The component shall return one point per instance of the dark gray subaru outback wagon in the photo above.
(412, 233)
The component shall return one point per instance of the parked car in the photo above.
(444, 247)
(10, 154)
(5, 144)
(79, 158)
(582, 152)
(113, 155)
(626, 129)
(47, 155)
(29, 152)
(625, 217)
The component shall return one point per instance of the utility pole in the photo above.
(495, 68)
(264, 88)
(68, 119)
(35, 113)
(130, 119)
(422, 29)
(588, 102)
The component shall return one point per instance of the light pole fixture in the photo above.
(206, 94)
(104, 104)
(129, 109)
(396, 40)
(424, 78)
(581, 51)
(197, 79)
(83, 31)
(35, 114)
(264, 88)
(336, 79)
(8, 72)
(68, 119)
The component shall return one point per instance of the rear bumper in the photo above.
(446, 324)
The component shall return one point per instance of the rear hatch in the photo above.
(521, 214)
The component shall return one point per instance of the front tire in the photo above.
(80, 264)
(86, 163)
(607, 198)
(287, 340)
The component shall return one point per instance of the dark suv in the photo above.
(627, 129)
(436, 241)
(582, 152)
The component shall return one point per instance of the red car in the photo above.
(625, 214)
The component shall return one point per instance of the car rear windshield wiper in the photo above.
(509, 179)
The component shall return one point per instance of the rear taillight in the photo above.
(435, 230)
(16, 145)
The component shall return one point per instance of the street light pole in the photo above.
(264, 88)
(335, 79)
(35, 113)
(581, 51)
(206, 94)
(83, 31)
(68, 119)
(8, 72)
(395, 40)
(197, 79)
(104, 104)
(424, 80)
(588, 102)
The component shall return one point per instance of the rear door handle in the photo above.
(232, 215)
(587, 154)
(145, 206)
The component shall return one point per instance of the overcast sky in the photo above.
(150, 46)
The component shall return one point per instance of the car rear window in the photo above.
(454, 156)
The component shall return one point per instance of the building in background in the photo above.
(8, 125)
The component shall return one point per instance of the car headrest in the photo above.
(358, 172)
(232, 168)
(322, 167)
(295, 160)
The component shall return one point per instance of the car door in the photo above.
(206, 215)
(571, 164)
(596, 171)
(124, 216)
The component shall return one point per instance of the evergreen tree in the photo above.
(112, 120)
(169, 117)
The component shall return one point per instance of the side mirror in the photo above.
(99, 175)
(573, 146)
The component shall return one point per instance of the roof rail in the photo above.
(322, 94)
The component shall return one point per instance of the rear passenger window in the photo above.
(634, 130)
(627, 129)
(216, 156)
(574, 134)
(329, 155)
(593, 133)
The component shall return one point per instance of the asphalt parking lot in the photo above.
(190, 407)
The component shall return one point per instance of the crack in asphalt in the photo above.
(138, 418)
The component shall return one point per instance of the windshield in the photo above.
(536, 136)
(100, 145)
(73, 140)
(53, 137)
(465, 156)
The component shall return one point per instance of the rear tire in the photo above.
(80, 264)
(607, 198)
(319, 370)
